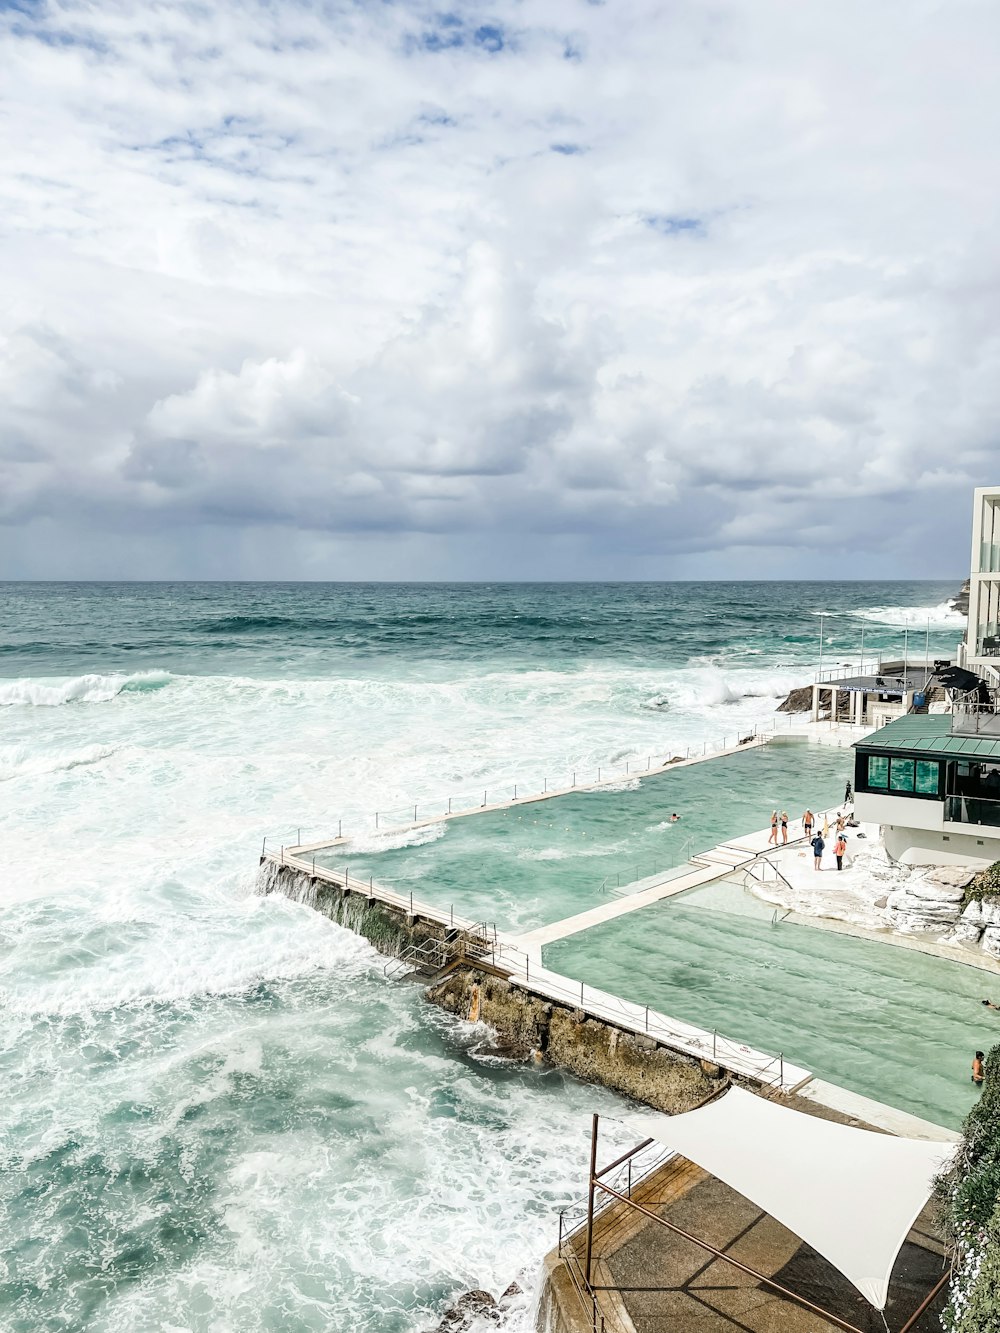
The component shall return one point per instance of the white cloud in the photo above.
(396, 281)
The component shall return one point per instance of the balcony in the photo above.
(989, 558)
(988, 640)
(972, 810)
(969, 719)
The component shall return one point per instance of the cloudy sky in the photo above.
(543, 289)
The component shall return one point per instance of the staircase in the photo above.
(727, 856)
(430, 959)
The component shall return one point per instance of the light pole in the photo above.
(822, 617)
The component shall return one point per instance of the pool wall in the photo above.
(589, 1047)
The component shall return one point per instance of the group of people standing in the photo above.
(817, 838)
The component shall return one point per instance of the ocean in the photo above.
(218, 1113)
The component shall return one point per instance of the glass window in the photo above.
(901, 775)
(878, 770)
(927, 777)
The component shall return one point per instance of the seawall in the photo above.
(591, 1048)
(390, 929)
(526, 1024)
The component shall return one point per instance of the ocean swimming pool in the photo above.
(536, 863)
(888, 1022)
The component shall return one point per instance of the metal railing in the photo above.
(622, 879)
(625, 1175)
(973, 810)
(499, 796)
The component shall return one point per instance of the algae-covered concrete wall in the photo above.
(526, 1024)
(388, 928)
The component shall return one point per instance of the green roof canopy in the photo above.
(929, 733)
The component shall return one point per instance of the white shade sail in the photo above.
(851, 1194)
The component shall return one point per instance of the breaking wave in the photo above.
(390, 842)
(917, 616)
(44, 692)
(17, 762)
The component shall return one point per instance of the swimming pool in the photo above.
(535, 863)
(890, 1023)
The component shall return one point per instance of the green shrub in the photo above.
(985, 885)
(968, 1194)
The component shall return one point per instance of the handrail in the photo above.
(680, 858)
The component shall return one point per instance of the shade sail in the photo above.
(851, 1194)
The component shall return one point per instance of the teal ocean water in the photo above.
(218, 1114)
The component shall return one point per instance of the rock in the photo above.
(798, 701)
(990, 943)
(467, 1309)
(953, 877)
(512, 1291)
(923, 907)
(929, 891)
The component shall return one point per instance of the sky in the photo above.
(497, 290)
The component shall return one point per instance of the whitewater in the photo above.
(219, 1114)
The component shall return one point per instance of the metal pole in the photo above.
(598, 775)
(927, 652)
(414, 814)
(545, 785)
(263, 845)
(484, 798)
(411, 902)
(822, 617)
(590, 1197)
(449, 805)
(298, 834)
(282, 853)
(515, 791)
(906, 638)
(340, 828)
(862, 647)
(376, 819)
(314, 865)
(574, 777)
(720, 1254)
(928, 1299)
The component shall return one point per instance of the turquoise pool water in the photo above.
(888, 1022)
(532, 864)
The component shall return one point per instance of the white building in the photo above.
(932, 781)
(982, 638)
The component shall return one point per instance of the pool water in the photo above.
(536, 863)
(888, 1022)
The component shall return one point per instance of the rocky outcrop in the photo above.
(475, 1307)
(979, 924)
(929, 903)
(960, 602)
(799, 700)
